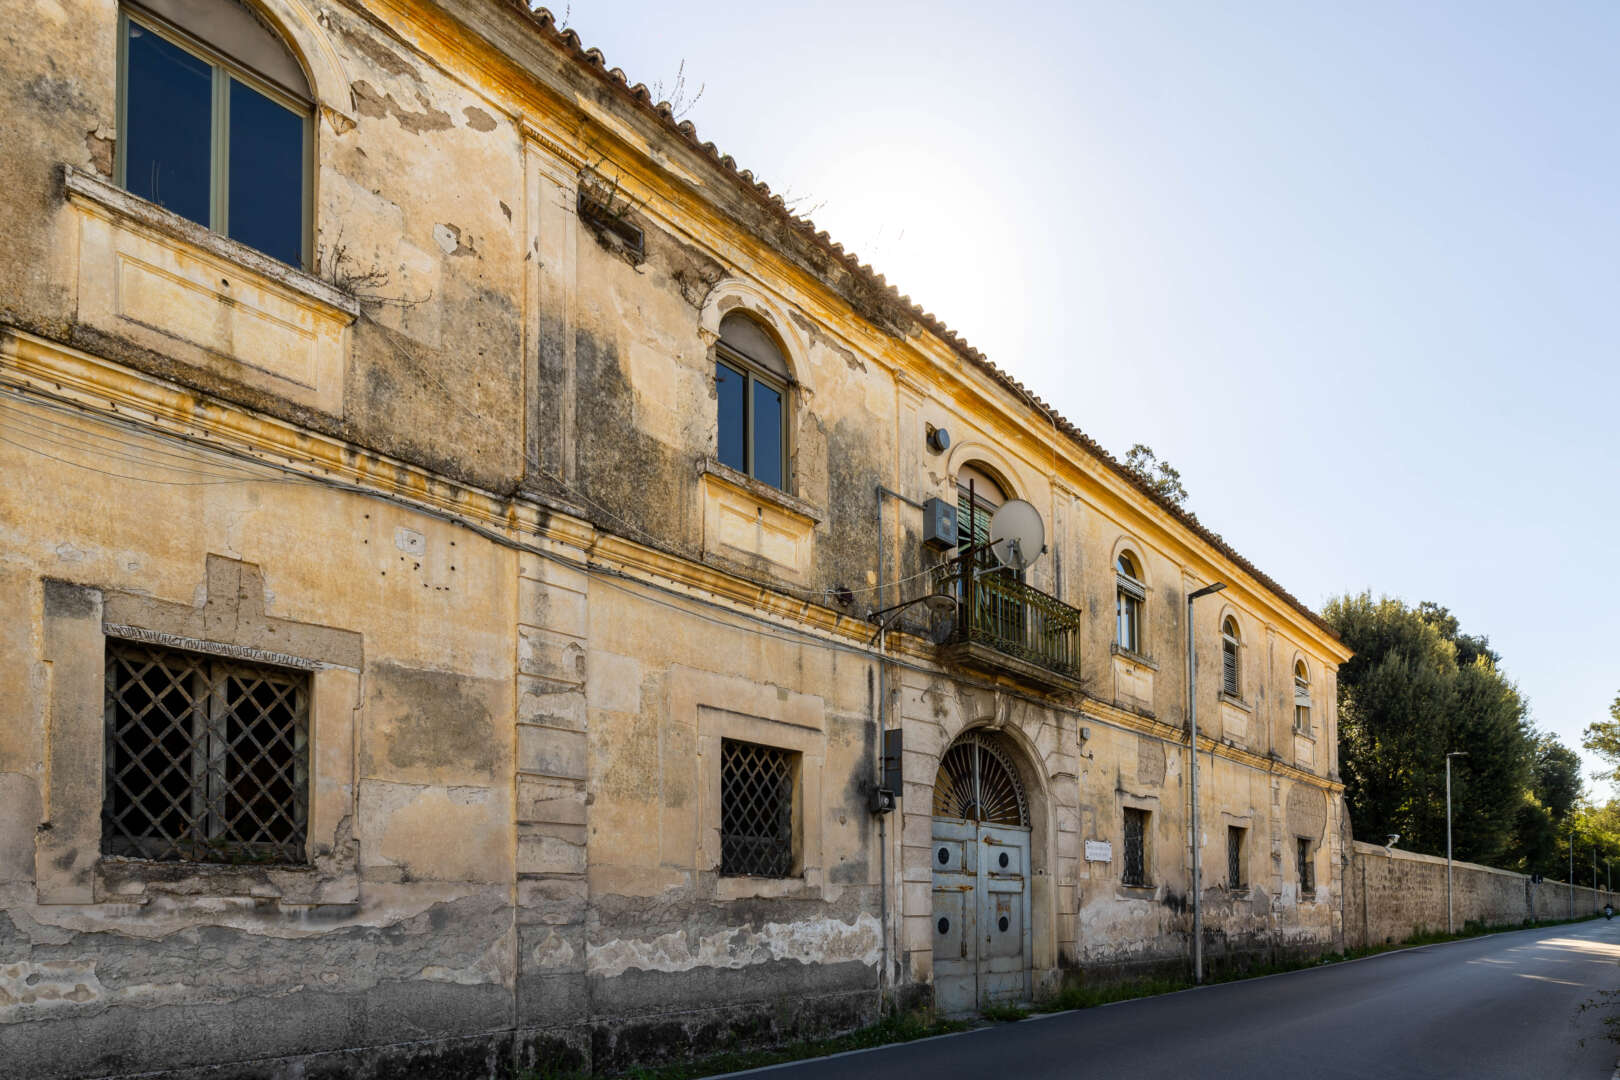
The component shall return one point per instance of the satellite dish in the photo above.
(1017, 535)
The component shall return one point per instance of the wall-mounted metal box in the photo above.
(939, 524)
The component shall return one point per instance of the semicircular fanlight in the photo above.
(977, 782)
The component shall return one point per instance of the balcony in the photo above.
(1006, 627)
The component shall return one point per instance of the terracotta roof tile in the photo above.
(641, 97)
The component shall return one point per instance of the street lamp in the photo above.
(1192, 725)
(1451, 927)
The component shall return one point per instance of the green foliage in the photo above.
(891, 1029)
(1603, 739)
(1417, 688)
(1161, 476)
(1004, 1014)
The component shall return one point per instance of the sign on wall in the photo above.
(1099, 851)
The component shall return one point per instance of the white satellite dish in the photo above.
(1017, 535)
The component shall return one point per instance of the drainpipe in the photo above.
(882, 721)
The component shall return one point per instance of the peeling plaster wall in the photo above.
(399, 928)
(514, 851)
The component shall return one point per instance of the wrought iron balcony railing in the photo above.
(996, 610)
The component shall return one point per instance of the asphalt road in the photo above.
(1505, 1005)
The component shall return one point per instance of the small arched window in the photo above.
(215, 122)
(1302, 698)
(1130, 594)
(751, 380)
(1231, 672)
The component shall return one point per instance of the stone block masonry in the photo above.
(1390, 895)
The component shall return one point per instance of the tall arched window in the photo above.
(978, 496)
(751, 380)
(1129, 594)
(215, 122)
(1231, 672)
(1302, 697)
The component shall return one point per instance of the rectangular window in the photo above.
(212, 144)
(1134, 865)
(1307, 868)
(767, 434)
(207, 758)
(1234, 856)
(756, 809)
(1302, 719)
(750, 424)
(1128, 615)
(732, 387)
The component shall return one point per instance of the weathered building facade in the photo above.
(444, 505)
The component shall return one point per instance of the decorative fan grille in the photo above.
(977, 782)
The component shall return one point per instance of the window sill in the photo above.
(1236, 701)
(138, 881)
(1137, 892)
(758, 489)
(1134, 657)
(137, 210)
(1298, 734)
(739, 887)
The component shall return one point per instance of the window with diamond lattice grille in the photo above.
(756, 810)
(207, 758)
(1134, 870)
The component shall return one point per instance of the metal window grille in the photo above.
(1234, 857)
(756, 810)
(1307, 872)
(1135, 866)
(207, 758)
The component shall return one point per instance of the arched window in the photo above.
(751, 378)
(215, 122)
(1231, 673)
(1302, 697)
(978, 496)
(1130, 594)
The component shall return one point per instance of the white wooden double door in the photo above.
(981, 914)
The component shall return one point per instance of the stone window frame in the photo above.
(77, 620)
(719, 707)
(734, 296)
(1302, 700)
(1232, 690)
(1305, 866)
(1135, 589)
(1149, 805)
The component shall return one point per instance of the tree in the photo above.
(1161, 476)
(1603, 739)
(1417, 688)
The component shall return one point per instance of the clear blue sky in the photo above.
(1353, 268)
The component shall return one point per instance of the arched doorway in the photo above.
(981, 876)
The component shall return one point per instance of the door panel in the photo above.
(955, 861)
(981, 914)
(1003, 923)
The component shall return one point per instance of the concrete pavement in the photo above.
(1505, 1005)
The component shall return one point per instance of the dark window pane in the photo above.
(733, 388)
(170, 110)
(266, 175)
(767, 435)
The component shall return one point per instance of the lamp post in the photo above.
(884, 617)
(1192, 743)
(1451, 927)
